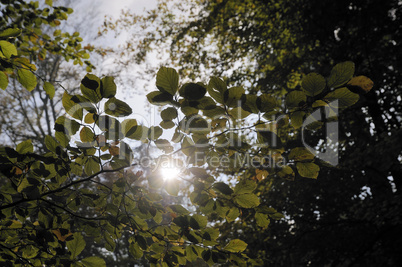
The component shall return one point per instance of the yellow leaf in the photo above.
(361, 82)
(60, 236)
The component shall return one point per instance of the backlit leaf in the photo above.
(27, 79)
(167, 80)
(308, 169)
(117, 108)
(341, 74)
(235, 246)
(313, 84)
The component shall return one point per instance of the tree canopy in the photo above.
(244, 156)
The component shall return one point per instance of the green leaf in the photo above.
(10, 32)
(167, 80)
(232, 214)
(3, 80)
(232, 97)
(341, 98)
(164, 145)
(308, 169)
(296, 119)
(244, 186)
(159, 98)
(216, 88)
(300, 154)
(87, 135)
(261, 219)
(167, 124)
(93, 261)
(90, 88)
(154, 132)
(135, 250)
(27, 79)
(294, 98)
(129, 126)
(51, 143)
(193, 91)
(7, 49)
(91, 166)
(25, 147)
(236, 246)
(223, 188)
(198, 222)
(49, 89)
(341, 74)
(49, 2)
(108, 87)
(266, 103)
(247, 200)
(313, 84)
(76, 246)
(117, 108)
(169, 114)
(73, 109)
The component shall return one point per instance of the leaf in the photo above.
(164, 145)
(362, 82)
(244, 186)
(232, 96)
(154, 132)
(155, 181)
(296, 119)
(172, 186)
(236, 246)
(167, 80)
(27, 79)
(247, 200)
(341, 98)
(216, 88)
(129, 126)
(25, 147)
(87, 135)
(308, 169)
(300, 154)
(49, 89)
(294, 98)
(62, 236)
(51, 143)
(266, 103)
(10, 32)
(167, 124)
(313, 84)
(261, 219)
(93, 261)
(135, 250)
(117, 108)
(7, 49)
(91, 166)
(108, 87)
(169, 114)
(192, 91)
(73, 109)
(232, 214)
(76, 246)
(159, 98)
(3, 80)
(223, 188)
(90, 88)
(340, 74)
(198, 222)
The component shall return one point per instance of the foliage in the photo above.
(47, 207)
(349, 216)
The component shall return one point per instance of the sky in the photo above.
(87, 18)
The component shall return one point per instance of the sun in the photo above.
(170, 172)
